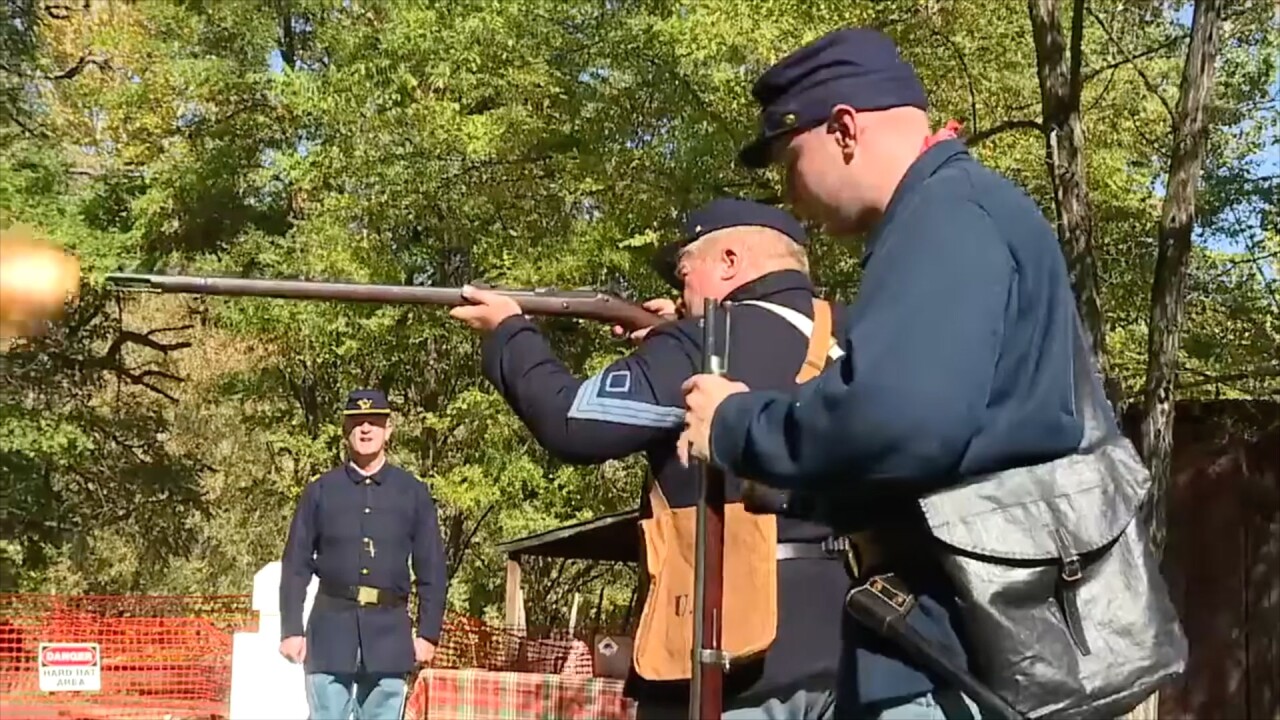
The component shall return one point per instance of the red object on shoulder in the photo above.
(950, 131)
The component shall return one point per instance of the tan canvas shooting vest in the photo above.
(664, 638)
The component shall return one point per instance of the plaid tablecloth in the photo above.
(442, 694)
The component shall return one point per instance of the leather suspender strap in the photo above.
(819, 342)
(800, 322)
(657, 501)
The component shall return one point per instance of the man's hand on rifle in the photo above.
(487, 311)
(666, 307)
(702, 396)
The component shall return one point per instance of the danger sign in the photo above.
(70, 666)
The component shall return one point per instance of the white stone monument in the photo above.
(265, 686)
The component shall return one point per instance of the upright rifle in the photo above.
(585, 304)
(709, 660)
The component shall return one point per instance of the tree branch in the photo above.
(772, 198)
(1136, 56)
(1262, 371)
(1004, 127)
(1257, 259)
(111, 360)
(724, 126)
(1252, 257)
(99, 172)
(460, 550)
(140, 378)
(1102, 94)
(62, 11)
(34, 132)
(1140, 129)
(98, 61)
(86, 60)
(146, 339)
(1093, 74)
(1146, 79)
(968, 76)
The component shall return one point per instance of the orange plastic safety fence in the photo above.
(170, 656)
(161, 656)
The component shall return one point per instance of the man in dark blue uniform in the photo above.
(355, 528)
(731, 249)
(958, 348)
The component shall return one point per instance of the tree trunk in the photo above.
(1168, 290)
(288, 40)
(1058, 68)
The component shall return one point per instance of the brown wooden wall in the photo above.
(1222, 559)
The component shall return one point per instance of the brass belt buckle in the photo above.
(366, 595)
(888, 593)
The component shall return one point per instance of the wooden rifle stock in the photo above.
(585, 304)
(706, 695)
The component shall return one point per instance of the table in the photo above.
(472, 694)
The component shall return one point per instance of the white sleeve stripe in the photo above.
(587, 405)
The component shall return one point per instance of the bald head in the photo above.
(720, 262)
(759, 250)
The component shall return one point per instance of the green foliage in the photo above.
(84, 457)
(535, 143)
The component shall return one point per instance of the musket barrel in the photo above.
(586, 304)
(290, 289)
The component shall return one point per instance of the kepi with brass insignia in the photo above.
(859, 67)
(366, 402)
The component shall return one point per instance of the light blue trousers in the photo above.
(355, 696)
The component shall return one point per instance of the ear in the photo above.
(843, 124)
(730, 262)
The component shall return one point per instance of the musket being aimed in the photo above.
(584, 304)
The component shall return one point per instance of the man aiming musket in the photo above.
(783, 577)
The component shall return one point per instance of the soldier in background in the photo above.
(356, 527)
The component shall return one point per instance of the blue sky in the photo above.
(1268, 160)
